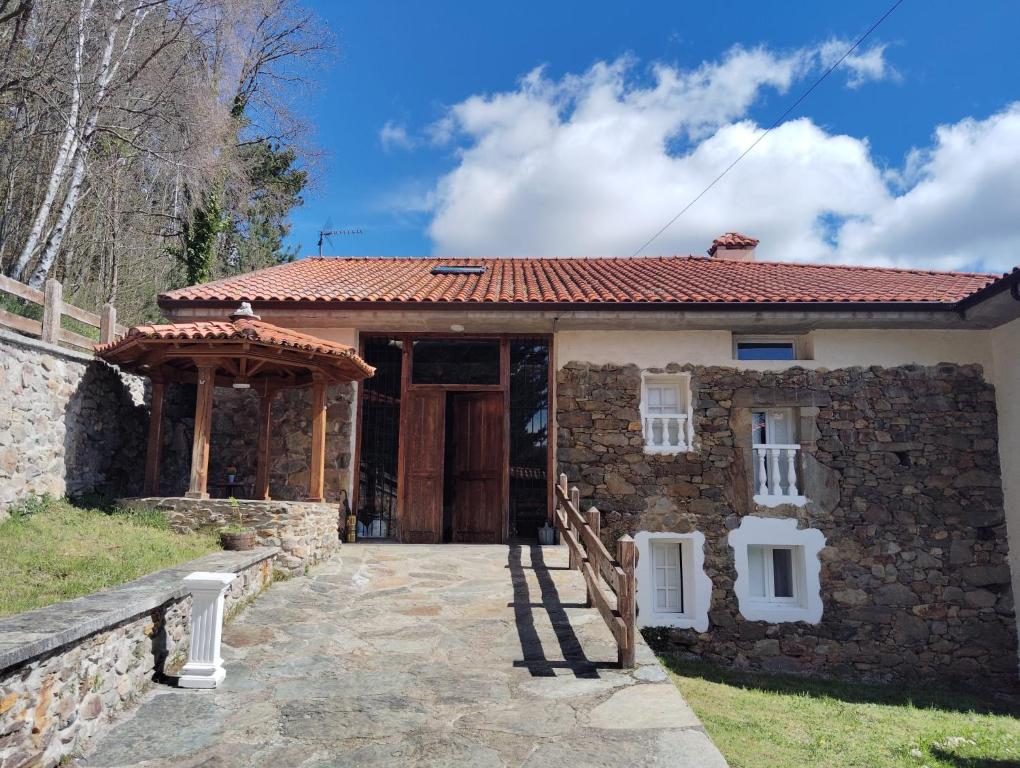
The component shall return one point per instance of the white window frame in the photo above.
(697, 586)
(769, 574)
(779, 532)
(684, 411)
(799, 344)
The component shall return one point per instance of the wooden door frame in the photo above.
(407, 340)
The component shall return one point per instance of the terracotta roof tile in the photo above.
(680, 280)
(241, 330)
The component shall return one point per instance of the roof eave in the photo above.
(576, 306)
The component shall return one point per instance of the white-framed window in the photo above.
(757, 347)
(775, 457)
(777, 570)
(773, 573)
(666, 416)
(673, 589)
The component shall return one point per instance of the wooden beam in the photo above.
(262, 448)
(317, 470)
(200, 442)
(155, 445)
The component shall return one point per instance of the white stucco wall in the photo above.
(831, 348)
(1006, 377)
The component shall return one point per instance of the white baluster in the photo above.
(762, 487)
(791, 469)
(774, 487)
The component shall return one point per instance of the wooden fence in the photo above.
(50, 329)
(589, 555)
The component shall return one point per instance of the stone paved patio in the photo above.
(420, 656)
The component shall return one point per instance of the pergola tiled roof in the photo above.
(291, 357)
(243, 353)
(675, 281)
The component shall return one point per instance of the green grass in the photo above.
(52, 551)
(778, 721)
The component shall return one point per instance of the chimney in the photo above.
(734, 247)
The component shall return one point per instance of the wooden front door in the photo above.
(422, 439)
(478, 462)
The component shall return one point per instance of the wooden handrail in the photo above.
(598, 567)
(54, 307)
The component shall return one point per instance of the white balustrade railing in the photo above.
(667, 432)
(775, 475)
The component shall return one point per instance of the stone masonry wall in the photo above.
(235, 434)
(69, 424)
(901, 470)
(307, 533)
(51, 703)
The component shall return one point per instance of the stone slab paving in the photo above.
(407, 655)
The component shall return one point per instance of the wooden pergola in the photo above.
(243, 353)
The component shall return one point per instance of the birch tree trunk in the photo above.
(107, 69)
(68, 145)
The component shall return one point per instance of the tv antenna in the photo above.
(327, 233)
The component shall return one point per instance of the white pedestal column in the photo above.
(205, 666)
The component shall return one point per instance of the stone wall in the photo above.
(307, 533)
(69, 424)
(58, 692)
(902, 476)
(235, 433)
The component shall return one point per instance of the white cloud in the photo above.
(595, 163)
(863, 66)
(395, 136)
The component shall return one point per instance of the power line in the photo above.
(775, 123)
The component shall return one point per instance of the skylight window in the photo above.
(457, 269)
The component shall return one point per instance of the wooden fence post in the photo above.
(53, 307)
(593, 518)
(575, 502)
(108, 324)
(626, 554)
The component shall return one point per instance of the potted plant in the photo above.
(231, 474)
(237, 537)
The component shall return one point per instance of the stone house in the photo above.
(820, 464)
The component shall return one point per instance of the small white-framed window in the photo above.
(773, 573)
(673, 589)
(778, 570)
(776, 458)
(666, 416)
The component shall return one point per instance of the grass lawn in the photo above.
(51, 551)
(777, 721)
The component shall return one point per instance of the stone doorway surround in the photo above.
(420, 655)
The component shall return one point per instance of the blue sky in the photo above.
(434, 142)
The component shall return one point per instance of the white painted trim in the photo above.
(686, 412)
(697, 584)
(779, 532)
(778, 501)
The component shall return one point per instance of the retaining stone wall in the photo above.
(69, 424)
(53, 701)
(902, 474)
(306, 532)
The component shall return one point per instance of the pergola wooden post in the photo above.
(262, 448)
(203, 426)
(154, 448)
(317, 470)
